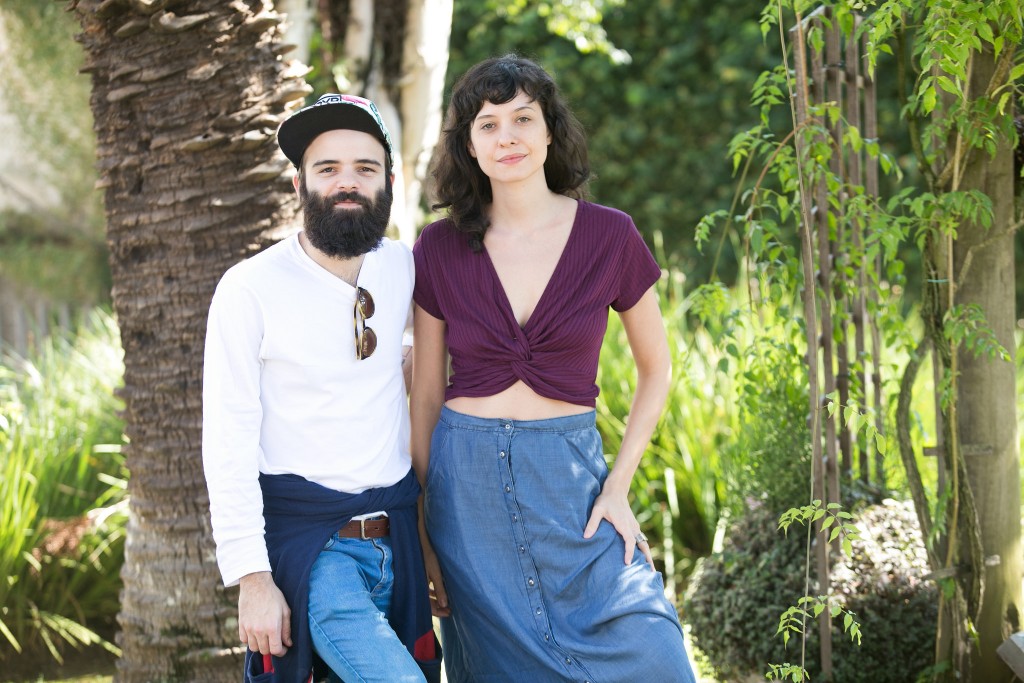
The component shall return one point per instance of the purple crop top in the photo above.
(605, 264)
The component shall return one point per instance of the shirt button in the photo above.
(547, 636)
(522, 548)
(508, 489)
(538, 610)
(568, 661)
(515, 518)
(502, 455)
(531, 582)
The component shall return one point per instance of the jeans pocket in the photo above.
(438, 442)
(383, 588)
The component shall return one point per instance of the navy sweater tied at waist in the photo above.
(300, 517)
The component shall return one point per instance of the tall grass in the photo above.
(62, 513)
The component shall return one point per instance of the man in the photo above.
(306, 425)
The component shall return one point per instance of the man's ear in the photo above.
(295, 184)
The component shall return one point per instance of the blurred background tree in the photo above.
(52, 253)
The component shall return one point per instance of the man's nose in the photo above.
(347, 180)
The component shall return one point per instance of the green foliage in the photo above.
(578, 21)
(793, 621)
(965, 325)
(737, 596)
(71, 271)
(49, 99)
(62, 511)
(945, 127)
(769, 459)
(51, 228)
(658, 121)
(831, 516)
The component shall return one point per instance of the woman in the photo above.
(546, 574)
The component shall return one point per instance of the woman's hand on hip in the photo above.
(613, 507)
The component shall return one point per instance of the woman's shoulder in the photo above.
(440, 234)
(605, 221)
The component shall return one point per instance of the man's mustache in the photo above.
(349, 197)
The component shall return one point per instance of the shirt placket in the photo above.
(527, 567)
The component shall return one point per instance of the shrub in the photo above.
(61, 493)
(769, 460)
(736, 596)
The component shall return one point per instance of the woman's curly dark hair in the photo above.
(460, 185)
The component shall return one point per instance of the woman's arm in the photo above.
(428, 385)
(645, 331)
(429, 380)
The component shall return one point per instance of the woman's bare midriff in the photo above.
(518, 402)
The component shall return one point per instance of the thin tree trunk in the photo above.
(186, 98)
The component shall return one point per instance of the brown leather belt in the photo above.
(366, 528)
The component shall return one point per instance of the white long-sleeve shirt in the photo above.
(283, 391)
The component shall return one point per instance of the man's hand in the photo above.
(264, 619)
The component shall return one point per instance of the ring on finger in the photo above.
(640, 538)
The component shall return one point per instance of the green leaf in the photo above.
(947, 84)
(880, 443)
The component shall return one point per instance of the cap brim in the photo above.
(298, 131)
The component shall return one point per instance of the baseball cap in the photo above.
(331, 112)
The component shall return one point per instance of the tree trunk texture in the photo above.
(187, 95)
(981, 546)
(986, 400)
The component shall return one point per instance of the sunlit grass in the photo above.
(61, 492)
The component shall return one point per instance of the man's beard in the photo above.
(345, 232)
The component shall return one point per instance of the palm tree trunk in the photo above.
(186, 98)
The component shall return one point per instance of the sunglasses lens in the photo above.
(365, 302)
(366, 339)
(367, 343)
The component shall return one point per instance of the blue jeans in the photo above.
(350, 590)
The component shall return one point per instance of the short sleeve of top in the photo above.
(605, 264)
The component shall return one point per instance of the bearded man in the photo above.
(306, 423)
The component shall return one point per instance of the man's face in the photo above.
(346, 193)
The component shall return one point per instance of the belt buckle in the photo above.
(362, 530)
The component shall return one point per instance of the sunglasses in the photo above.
(366, 338)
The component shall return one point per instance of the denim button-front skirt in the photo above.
(532, 600)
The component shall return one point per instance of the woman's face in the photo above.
(510, 141)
